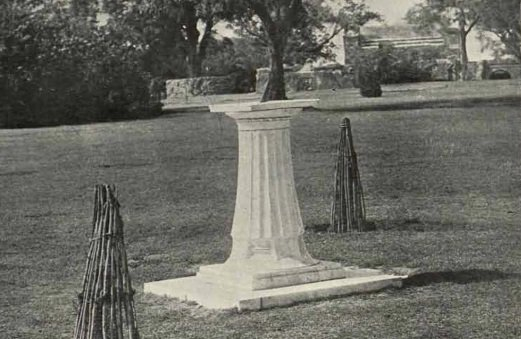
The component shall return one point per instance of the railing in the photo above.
(404, 42)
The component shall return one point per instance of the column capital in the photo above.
(270, 115)
(253, 110)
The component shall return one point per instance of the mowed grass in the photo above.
(443, 187)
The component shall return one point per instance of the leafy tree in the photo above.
(502, 18)
(191, 12)
(444, 16)
(156, 24)
(277, 20)
(235, 57)
(58, 68)
(293, 30)
(171, 25)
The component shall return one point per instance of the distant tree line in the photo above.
(78, 61)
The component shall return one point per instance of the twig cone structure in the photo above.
(106, 309)
(348, 207)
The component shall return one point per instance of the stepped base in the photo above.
(256, 276)
(217, 295)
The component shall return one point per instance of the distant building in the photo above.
(398, 36)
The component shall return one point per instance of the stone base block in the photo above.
(214, 295)
(251, 276)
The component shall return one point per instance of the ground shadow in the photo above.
(368, 226)
(457, 277)
(423, 225)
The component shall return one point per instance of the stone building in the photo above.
(403, 36)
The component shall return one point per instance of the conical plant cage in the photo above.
(348, 207)
(106, 303)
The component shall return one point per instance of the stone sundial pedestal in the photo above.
(269, 264)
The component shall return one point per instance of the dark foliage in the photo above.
(294, 31)
(369, 83)
(57, 68)
(502, 18)
(388, 65)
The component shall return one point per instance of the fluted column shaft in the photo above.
(267, 225)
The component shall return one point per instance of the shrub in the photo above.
(59, 69)
(394, 65)
(232, 57)
(369, 84)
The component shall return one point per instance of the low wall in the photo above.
(478, 70)
(308, 81)
(191, 87)
(441, 72)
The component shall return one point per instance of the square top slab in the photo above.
(252, 106)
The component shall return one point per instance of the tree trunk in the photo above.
(464, 58)
(276, 86)
(194, 62)
(203, 46)
(192, 37)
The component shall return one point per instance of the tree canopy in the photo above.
(502, 18)
(185, 27)
(447, 17)
(180, 33)
(294, 30)
(56, 67)
(62, 62)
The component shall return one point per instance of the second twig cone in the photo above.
(348, 207)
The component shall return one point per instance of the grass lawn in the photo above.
(443, 187)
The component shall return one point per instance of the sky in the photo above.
(393, 11)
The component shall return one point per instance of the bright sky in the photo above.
(393, 11)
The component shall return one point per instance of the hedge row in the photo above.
(56, 68)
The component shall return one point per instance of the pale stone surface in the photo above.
(304, 80)
(177, 89)
(294, 107)
(269, 273)
(269, 263)
(218, 296)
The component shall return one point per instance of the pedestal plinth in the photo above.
(269, 264)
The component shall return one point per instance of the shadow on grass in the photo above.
(457, 277)
(369, 226)
(410, 225)
(424, 225)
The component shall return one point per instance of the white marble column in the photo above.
(267, 226)
(269, 264)
(268, 248)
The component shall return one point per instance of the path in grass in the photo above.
(443, 188)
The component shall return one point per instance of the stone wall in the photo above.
(190, 87)
(308, 81)
(478, 70)
(440, 72)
